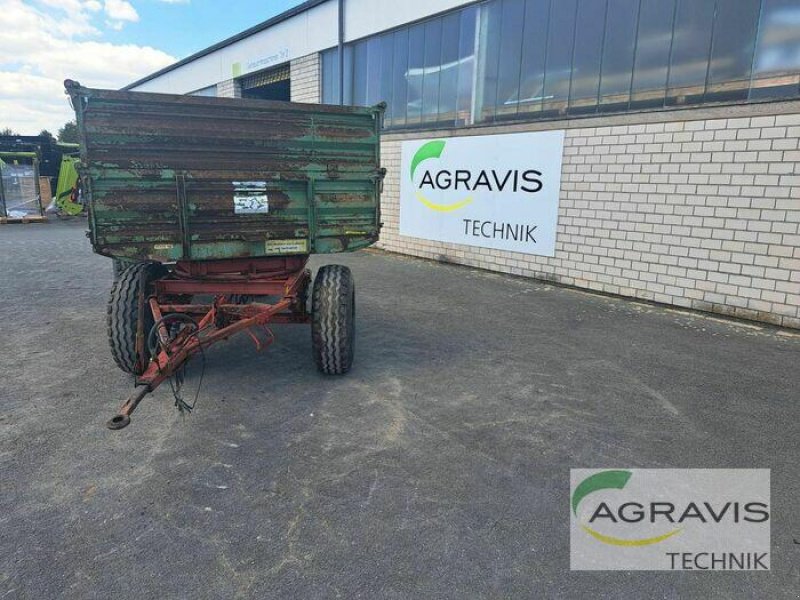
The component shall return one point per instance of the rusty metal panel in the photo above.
(194, 178)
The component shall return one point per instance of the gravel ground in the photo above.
(438, 468)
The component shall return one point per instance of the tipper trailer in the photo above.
(212, 207)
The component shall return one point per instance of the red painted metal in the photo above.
(251, 277)
(285, 277)
(238, 267)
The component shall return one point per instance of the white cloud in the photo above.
(120, 10)
(41, 48)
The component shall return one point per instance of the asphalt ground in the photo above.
(437, 468)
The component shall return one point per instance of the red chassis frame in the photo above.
(283, 277)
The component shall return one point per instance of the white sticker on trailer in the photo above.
(250, 204)
(286, 247)
(250, 198)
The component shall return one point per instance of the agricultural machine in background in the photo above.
(214, 205)
(68, 199)
(20, 187)
(32, 167)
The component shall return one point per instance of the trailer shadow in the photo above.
(388, 343)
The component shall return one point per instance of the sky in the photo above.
(103, 44)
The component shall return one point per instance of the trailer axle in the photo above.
(211, 323)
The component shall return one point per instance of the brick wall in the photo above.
(305, 79)
(697, 208)
(229, 89)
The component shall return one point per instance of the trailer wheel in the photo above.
(333, 322)
(123, 314)
(118, 266)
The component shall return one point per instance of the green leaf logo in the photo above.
(429, 150)
(604, 480)
(610, 480)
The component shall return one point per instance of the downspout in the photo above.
(341, 52)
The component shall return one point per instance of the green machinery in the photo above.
(68, 197)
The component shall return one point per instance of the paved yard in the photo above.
(438, 468)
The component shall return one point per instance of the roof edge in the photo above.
(284, 16)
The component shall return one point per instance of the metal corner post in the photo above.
(340, 56)
(3, 212)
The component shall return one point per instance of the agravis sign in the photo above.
(491, 191)
(670, 519)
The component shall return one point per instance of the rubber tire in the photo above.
(123, 313)
(118, 266)
(333, 321)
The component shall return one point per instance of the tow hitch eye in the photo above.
(118, 422)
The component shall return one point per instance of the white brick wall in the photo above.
(701, 212)
(229, 89)
(305, 79)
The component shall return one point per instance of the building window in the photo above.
(732, 47)
(330, 77)
(619, 48)
(652, 52)
(776, 67)
(587, 56)
(691, 45)
(512, 59)
(534, 53)
(270, 84)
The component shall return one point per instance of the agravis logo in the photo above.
(606, 480)
(458, 179)
(491, 191)
(427, 151)
(670, 519)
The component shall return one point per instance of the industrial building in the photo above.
(663, 135)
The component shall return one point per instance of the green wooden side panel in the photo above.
(192, 178)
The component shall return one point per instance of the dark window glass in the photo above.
(386, 77)
(691, 45)
(776, 68)
(399, 73)
(653, 44)
(501, 58)
(589, 32)
(360, 73)
(489, 49)
(330, 77)
(466, 63)
(732, 49)
(534, 50)
(348, 74)
(618, 51)
(431, 70)
(508, 69)
(373, 70)
(415, 72)
(560, 40)
(448, 69)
